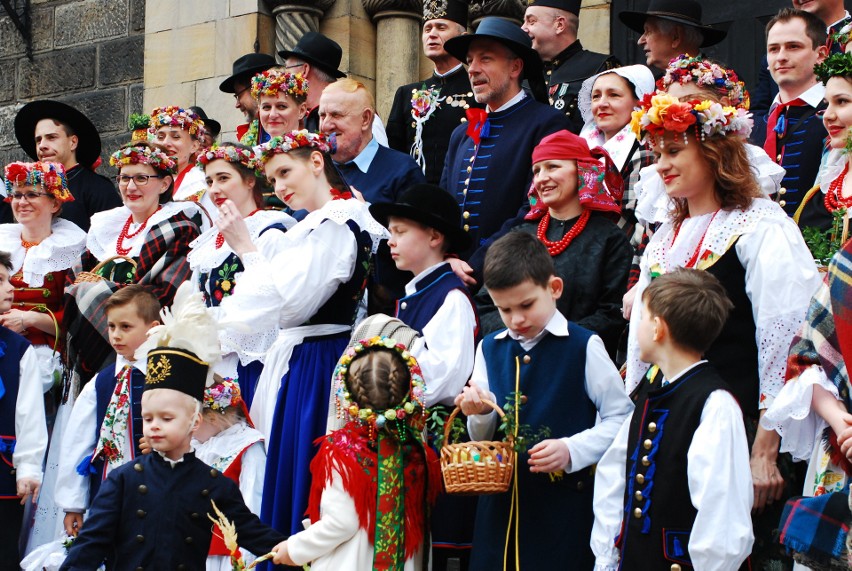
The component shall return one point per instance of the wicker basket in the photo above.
(93, 276)
(474, 468)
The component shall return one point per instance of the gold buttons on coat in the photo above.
(648, 444)
(143, 489)
(637, 513)
(640, 478)
(403, 305)
(138, 467)
(639, 497)
(652, 427)
(645, 461)
(527, 359)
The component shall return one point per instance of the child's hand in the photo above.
(549, 456)
(844, 439)
(470, 400)
(73, 522)
(282, 555)
(144, 447)
(28, 487)
(14, 320)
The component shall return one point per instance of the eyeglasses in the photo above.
(239, 93)
(138, 179)
(30, 196)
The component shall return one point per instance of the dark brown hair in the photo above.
(516, 258)
(335, 179)
(146, 303)
(261, 185)
(693, 304)
(814, 27)
(378, 379)
(6, 260)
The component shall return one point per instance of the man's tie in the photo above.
(776, 125)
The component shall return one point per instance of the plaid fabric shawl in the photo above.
(816, 527)
(840, 284)
(162, 266)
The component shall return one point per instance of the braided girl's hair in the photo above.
(378, 379)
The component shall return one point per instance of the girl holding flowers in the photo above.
(150, 229)
(372, 478)
(231, 174)
(310, 289)
(281, 103)
(721, 224)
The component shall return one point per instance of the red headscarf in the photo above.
(599, 184)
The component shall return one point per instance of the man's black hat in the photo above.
(572, 6)
(430, 205)
(177, 369)
(88, 139)
(454, 10)
(318, 50)
(213, 127)
(687, 12)
(247, 65)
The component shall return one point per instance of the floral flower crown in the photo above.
(175, 116)
(143, 155)
(273, 82)
(50, 177)
(704, 73)
(221, 396)
(661, 112)
(295, 140)
(228, 153)
(833, 66)
(411, 406)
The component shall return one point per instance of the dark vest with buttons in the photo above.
(565, 75)
(658, 511)
(417, 309)
(342, 306)
(105, 383)
(555, 517)
(13, 347)
(734, 352)
(800, 152)
(454, 89)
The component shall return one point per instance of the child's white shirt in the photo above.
(604, 388)
(720, 487)
(30, 423)
(79, 441)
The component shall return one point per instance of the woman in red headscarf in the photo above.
(576, 194)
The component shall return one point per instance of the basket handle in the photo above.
(101, 265)
(449, 422)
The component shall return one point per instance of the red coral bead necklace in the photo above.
(557, 247)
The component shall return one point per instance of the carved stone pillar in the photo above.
(398, 46)
(294, 18)
(509, 9)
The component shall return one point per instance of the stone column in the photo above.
(509, 9)
(294, 18)
(398, 46)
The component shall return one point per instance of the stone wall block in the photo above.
(7, 126)
(159, 15)
(120, 61)
(90, 20)
(196, 46)
(7, 80)
(11, 42)
(42, 21)
(218, 106)
(137, 91)
(52, 73)
(234, 37)
(107, 108)
(191, 12)
(13, 154)
(181, 94)
(137, 15)
(243, 7)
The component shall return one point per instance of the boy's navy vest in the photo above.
(105, 383)
(552, 513)
(417, 309)
(12, 349)
(658, 510)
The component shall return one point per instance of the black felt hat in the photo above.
(454, 10)
(572, 6)
(430, 205)
(247, 65)
(318, 50)
(177, 369)
(513, 37)
(686, 12)
(88, 139)
(213, 126)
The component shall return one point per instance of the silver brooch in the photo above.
(434, 9)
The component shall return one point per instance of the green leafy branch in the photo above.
(525, 437)
(435, 423)
(823, 244)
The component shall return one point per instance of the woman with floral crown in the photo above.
(180, 132)
(720, 223)
(281, 104)
(146, 241)
(231, 174)
(310, 289)
(43, 247)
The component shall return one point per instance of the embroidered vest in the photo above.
(417, 309)
(14, 346)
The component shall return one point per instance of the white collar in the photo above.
(204, 255)
(411, 287)
(557, 325)
(618, 146)
(513, 101)
(845, 17)
(813, 96)
(686, 370)
(171, 462)
(57, 252)
(451, 72)
(120, 362)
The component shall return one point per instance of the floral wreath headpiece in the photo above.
(295, 140)
(842, 36)
(833, 66)
(174, 116)
(143, 155)
(50, 177)
(230, 153)
(661, 112)
(222, 396)
(272, 82)
(412, 406)
(685, 68)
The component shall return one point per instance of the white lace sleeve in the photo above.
(791, 415)
(781, 277)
